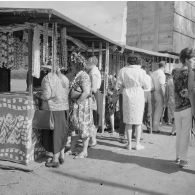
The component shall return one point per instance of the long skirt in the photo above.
(54, 141)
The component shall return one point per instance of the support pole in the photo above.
(92, 48)
(30, 78)
(105, 85)
(100, 56)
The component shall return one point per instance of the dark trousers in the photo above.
(122, 124)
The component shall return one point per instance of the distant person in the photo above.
(147, 119)
(110, 105)
(95, 76)
(158, 78)
(133, 80)
(183, 111)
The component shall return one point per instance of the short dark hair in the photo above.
(186, 53)
(134, 60)
(162, 64)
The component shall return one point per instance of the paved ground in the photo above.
(110, 169)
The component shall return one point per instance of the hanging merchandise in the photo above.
(25, 49)
(36, 53)
(7, 50)
(64, 52)
(3, 49)
(54, 46)
(45, 44)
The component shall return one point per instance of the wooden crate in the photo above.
(161, 26)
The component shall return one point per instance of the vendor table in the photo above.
(19, 142)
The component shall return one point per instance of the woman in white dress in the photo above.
(134, 81)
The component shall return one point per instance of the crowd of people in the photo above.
(75, 101)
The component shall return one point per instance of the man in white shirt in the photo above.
(159, 79)
(95, 75)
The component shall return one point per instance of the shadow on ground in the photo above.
(106, 183)
(161, 165)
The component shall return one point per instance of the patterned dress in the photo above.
(170, 99)
(81, 115)
(133, 79)
(180, 79)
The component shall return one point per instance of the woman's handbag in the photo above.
(43, 119)
(75, 93)
(192, 134)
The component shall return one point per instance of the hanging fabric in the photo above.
(64, 51)
(36, 53)
(45, 44)
(6, 50)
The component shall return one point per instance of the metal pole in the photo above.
(30, 78)
(105, 85)
(92, 48)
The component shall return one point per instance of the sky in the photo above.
(104, 17)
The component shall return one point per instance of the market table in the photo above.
(19, 142)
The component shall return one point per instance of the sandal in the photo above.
(52, 164)
(128, 147)
(61, 160)
(69, 152)
(81, 155)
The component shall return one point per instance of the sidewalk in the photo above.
(110, 170)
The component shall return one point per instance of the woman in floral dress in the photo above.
(81, 115)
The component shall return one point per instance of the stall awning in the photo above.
(9, 16)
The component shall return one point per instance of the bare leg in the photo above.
(138, 130)
(112, 122)
(128, 129)
(74, 139)
(56, 157)
(84, 153)
(62, 153)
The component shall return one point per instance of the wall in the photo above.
(161, 26)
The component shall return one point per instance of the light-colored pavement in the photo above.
(110, 170)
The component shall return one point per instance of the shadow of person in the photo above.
(107, 138)
(161, 165)
(105, 183)
(109, 144)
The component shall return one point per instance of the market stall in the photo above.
(34, 37)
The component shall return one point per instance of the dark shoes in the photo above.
(172, 134)
(61, 161)
(52, 164)
(183, 163)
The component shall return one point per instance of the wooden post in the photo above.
(92, 48)
(100, 56)
(30, 78)
(105, 85)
